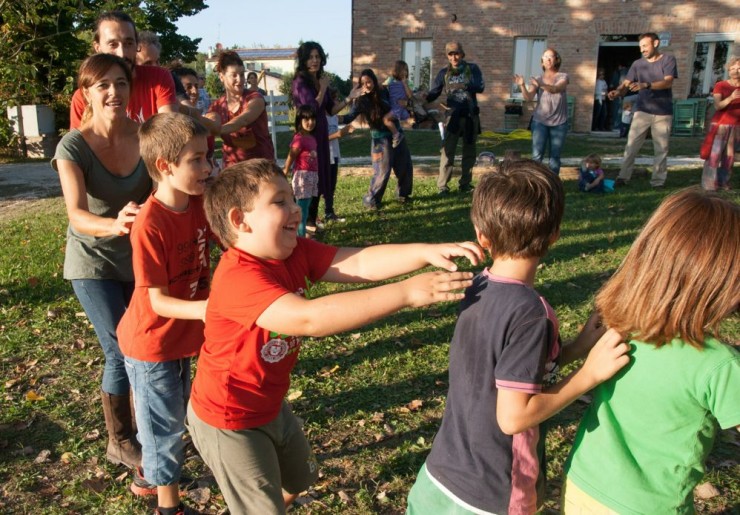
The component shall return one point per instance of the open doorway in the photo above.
(616, 54)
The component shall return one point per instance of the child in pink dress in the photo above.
(303, 155)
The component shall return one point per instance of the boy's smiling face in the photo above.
(192, 169)
(269, 230)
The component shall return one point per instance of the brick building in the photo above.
(507, 37)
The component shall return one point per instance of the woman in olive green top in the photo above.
(104, 180)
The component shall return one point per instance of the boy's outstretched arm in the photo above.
(295, 315)
(380, 262)
(518, 411)
(165, 305)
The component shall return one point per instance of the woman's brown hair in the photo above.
(93, 69)
(680, 277)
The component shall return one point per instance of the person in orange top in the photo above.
(163, 325)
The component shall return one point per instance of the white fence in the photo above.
(278, 112)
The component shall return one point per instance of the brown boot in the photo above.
(123, 448)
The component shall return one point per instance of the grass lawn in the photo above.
(371, 399)
(426, 143)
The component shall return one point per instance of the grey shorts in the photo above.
(254, 466)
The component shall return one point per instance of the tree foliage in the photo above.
(43, 42)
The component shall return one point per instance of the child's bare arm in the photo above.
(518, 411)
(579, 348)
(331, 314)
(167, 306)
(380, 262)
(292, 155)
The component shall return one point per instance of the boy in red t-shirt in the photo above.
(257, 313)
(163, 325)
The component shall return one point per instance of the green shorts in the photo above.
(254, 466)
(427, 498)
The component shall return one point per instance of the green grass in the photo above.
(355, 388)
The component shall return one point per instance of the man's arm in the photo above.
(437, 86)
(476, 83)
(518, 411)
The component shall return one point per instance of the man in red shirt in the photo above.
(152, 91)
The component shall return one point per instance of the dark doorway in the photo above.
(616, 50)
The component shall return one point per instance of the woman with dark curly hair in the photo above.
(311, 87)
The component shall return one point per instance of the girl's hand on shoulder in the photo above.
(124, 220)
(431, 287)
(607, 357)
(441, 255)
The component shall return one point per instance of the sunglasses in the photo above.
(453, 53)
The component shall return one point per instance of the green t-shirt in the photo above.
(642, 444)
(91, 257)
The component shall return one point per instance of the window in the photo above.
(527, 54)
(710, 57)
(418, 55)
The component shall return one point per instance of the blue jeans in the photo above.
(305, 205)
(161, 393)
(104, 302)
(544, 134)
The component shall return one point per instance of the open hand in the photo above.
(441, 255)
(431, 287)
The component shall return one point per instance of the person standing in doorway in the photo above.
(461, 81)
(651, 77)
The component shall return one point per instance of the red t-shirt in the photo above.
(170, 249)
(730, 115)
(151, 89)
(248, 142)
(244, 370)
(306, 145)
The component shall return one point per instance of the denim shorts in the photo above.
(161, 392)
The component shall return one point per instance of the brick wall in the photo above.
(487, 29)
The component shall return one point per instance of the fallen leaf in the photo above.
(200, 495)
(43, 456)
(96, 485)
(292, 396)
(415, 405)
(344, 497)
(122, 477)
(31, 395)
(706, 491)
(378, 416)
(66, 458)
(356, 336)
(361, 422)
(33, 282)
(381, 497)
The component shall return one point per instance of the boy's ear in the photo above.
(555, 237)
(238, 221)
(162, 166)
(483, 240)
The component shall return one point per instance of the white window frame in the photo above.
(414, 61)
(707, 82)
(529, 64)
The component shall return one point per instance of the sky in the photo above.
(276, 22)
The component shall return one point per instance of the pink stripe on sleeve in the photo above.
(519, 387)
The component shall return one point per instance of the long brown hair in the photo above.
(680, 278)
(93, 69)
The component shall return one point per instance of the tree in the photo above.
(42, 43)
